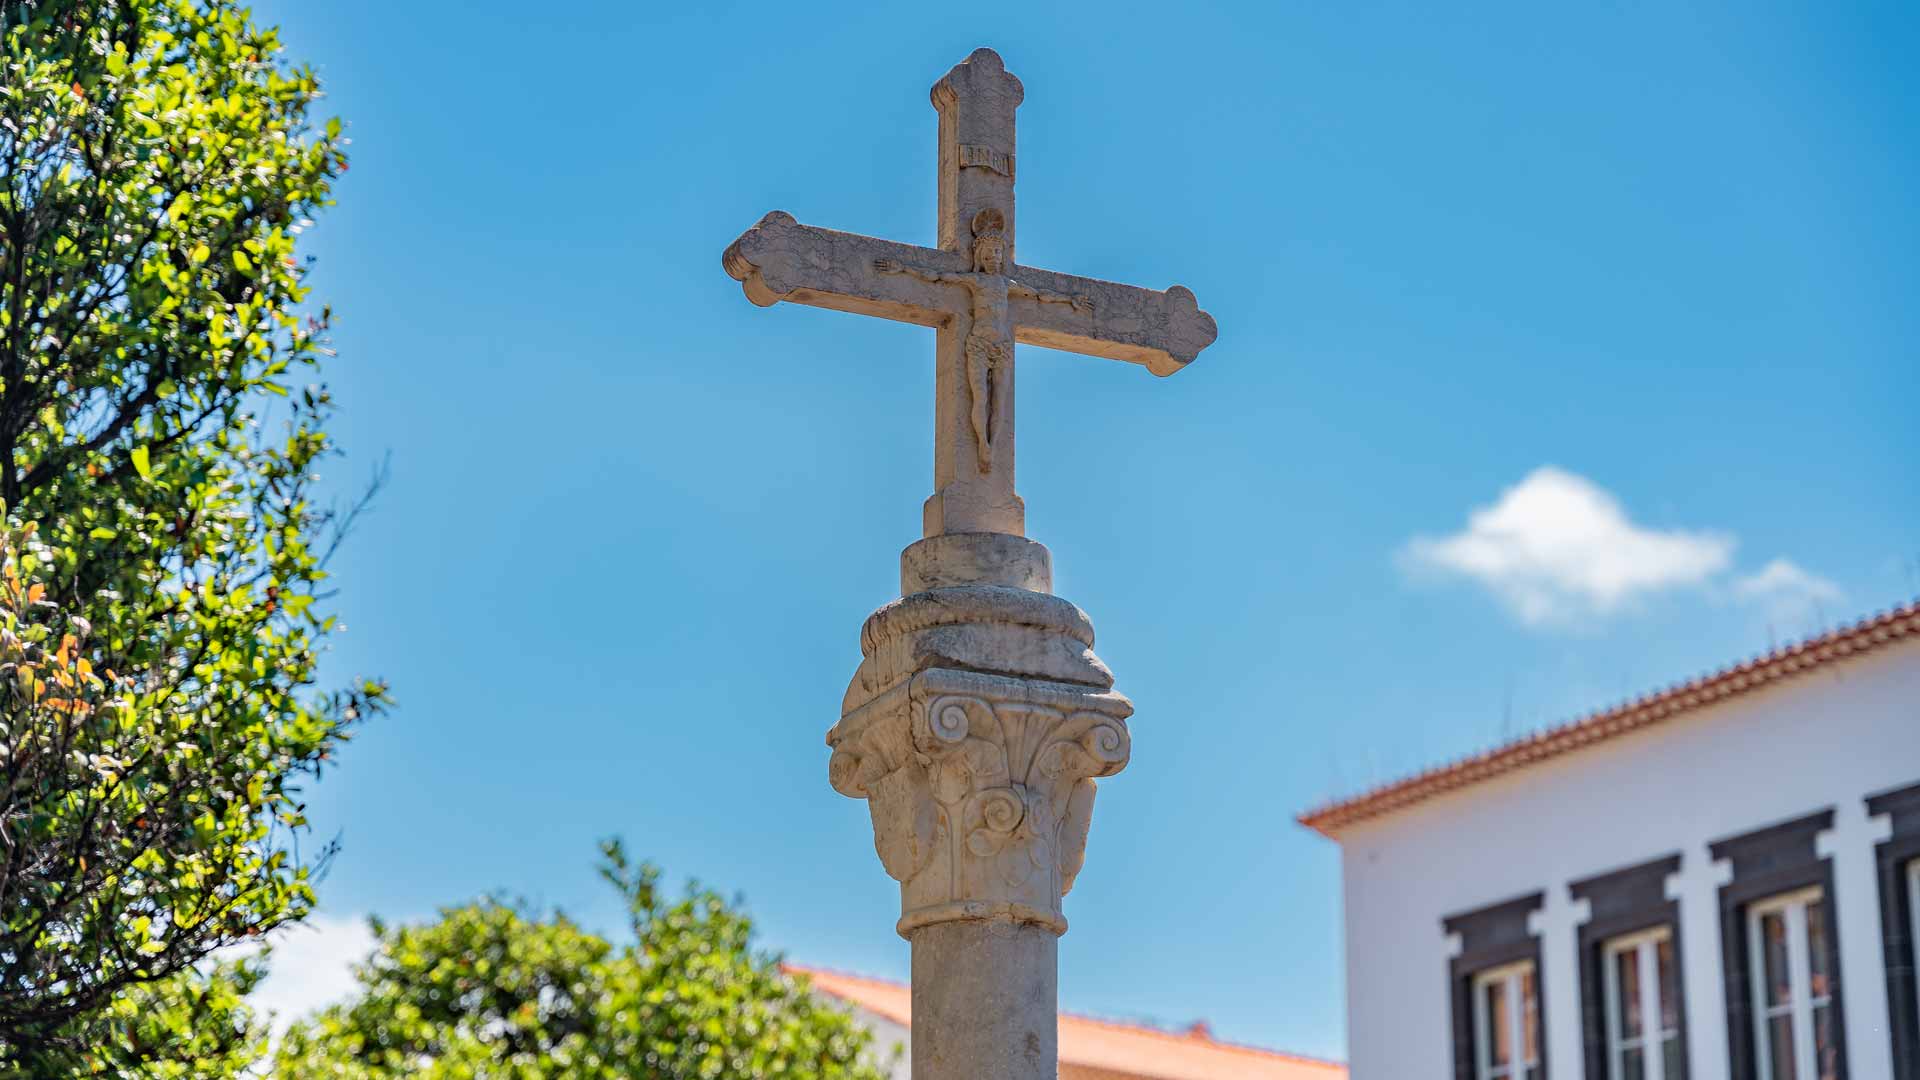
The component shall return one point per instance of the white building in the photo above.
(1720, 881)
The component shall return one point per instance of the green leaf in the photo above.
(171, 575)
(685, 995)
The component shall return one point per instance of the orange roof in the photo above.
(1865, 636)
(1102, 1048)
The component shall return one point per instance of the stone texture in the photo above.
(975, 294)
(979, 718)
(981, 786)
(994, 987)
(975, 558)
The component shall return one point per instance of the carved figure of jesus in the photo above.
(989, 343)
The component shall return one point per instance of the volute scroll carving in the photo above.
(981, 789)
(976, 727)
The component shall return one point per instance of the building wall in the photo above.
(892, 1045)
(1828, 738)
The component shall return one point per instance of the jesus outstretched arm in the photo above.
(1082, 304)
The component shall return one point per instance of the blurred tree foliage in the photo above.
(496, 990)
(162, 555)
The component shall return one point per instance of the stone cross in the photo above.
(979, 717)
(971, 289)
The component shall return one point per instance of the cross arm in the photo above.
(1162, 331)
(781, 259)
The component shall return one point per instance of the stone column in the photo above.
(975, 727)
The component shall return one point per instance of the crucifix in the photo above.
(979, 718)
(971, 289)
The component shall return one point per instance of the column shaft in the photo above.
(985, 1001)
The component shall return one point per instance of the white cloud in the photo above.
(1789, 592)
(311, 966)
(1557, 546)
(1785, 577)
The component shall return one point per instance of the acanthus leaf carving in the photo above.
(986, 813)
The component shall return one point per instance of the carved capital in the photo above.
(975, 730)
(981, 790)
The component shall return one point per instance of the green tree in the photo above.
(161, 421)
(496, 990)
(192, 1025)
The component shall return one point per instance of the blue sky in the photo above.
(1561, 355)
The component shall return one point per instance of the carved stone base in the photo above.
(975, 728)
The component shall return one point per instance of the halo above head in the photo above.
(989, 222)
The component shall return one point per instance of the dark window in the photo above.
(1781, 952)
(1898, 864)
(1499, 1012)
(1632, 1007)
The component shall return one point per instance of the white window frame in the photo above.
(1652, 1040)
(1913, 936)
(1514, 977)
(1800, 1004)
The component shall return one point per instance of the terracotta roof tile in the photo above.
(1867, 635)
(1090, 1047)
